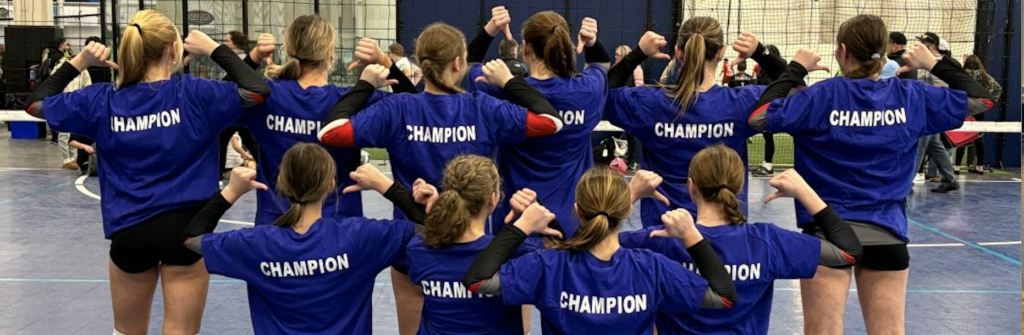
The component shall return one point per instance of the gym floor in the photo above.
(965, 275)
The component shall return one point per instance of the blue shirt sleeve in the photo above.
(230, 253)
(377, 126)
(78, 111)
(794, 255)
(217, 102)
(506, 121)
(637, 239)
(475, 86)
(945, 109)
(802, 112)
(522, 279)
(629, 107)
(681, 290)
(385, 240)
(594, 78)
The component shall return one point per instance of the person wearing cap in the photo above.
(931, 146)
(897, 47)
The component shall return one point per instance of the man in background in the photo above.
(932, 146)
(509, 52)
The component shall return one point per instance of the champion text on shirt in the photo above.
(452, 290)
(441, 134)
(694, 130)
(603, 305)
(292, 125)
(739, 272)
(307, 267)
(573, 117)
(887, 117)
(163, 119)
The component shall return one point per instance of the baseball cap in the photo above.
(943, 45)
(897, 38)
(929, 37)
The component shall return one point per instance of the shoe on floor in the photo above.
(69, 166)
(934, 179)
(918, 178)
(761, 171)
(944, 188)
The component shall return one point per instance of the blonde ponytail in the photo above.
(143, 44)
(700, 38)
(306, 176)
(718, 172)
(602, 202)
(309, 43)
(469, 182)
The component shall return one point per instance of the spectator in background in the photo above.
(726, 72)
(86, 159)
(932, 146)
(671, 73)
(765, 170)
(397, 55)
(976, 159)
(237, 42)
(741, 78)
(509, 52)
(68, 154)
(97, 73)
(638, 73)
(55, 50)
(898, 47)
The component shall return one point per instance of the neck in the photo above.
(474, 231)
(313, 77)
(432, 88)
(157, 73)
(607, 247)
(539, 70)
(711, 215)
(709, 79)
(308, 215)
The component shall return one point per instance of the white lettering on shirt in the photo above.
(888, 117)
(441, 134)
(292, 125)
(739, 272)
(305, 268)
(586, 304)
(449, 290)
(694, 130)
(163, 119)
(573, 117)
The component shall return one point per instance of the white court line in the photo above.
(30, 169)
(1000, 243)
(935, 245)
(80, 185)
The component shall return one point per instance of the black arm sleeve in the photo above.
(596, 54)
(772, 66)
(839, 235)
(404, 84)
(622, 72)
(519, 92)
(252, 89)
(980, 99)
(477, 48)
(206, 220)
(712, 269)
(50, 87)
(488, 262)
(402, 197)
(351, 102)
(781, 88)
(249, 62)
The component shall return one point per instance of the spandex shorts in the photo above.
(156, 241)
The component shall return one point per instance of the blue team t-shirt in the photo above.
(423, 131)
(670, 142)
(157, 142)
(754, 254)
(578, 293)
(553, 165)
(855, 142)
(450, 308)
(294, 115)
(319, 282)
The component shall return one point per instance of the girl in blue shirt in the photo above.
(555, 163)
(306, 273)
(675, 121)
(588, 284)
(157, 136)
(755, 254)
(855, 140)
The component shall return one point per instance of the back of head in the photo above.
(700, 39)
(307, 175)
(93, 39)
(602, 202)
(238, 39)
(547, 34)
(507, 48)
(469, 183)
(742, 66)
(973, 62)
(718, 173)
(436, 47)
(145, 41)
(309, 43)
(866, 40)
(396, 49)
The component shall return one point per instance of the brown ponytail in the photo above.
(718, 172)
(309, 43)
(547, 34)
(436, 47)
(469, 182)
(143, 44)
(867, 41)
(306, 176)
(700, 38)
(602, 202)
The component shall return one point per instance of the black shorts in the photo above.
(883, 251)
(156, 241)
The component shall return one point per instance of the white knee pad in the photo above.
(118, 333)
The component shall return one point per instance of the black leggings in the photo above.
(979, 154)
(769, 146)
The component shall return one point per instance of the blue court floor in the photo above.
(965, 275)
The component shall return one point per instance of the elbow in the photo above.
(337, 133)
(35, 109)
(729, 299)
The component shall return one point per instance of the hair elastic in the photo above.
(137, 26)
(875, 56)
(606, 215)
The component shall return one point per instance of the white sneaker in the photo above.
(919, 178)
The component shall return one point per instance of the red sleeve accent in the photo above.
(475, 288)
(31, 110)
(988, 103)
(258, 99)
(726, 302)
(342, 136)
(538, 126)
(759, 111)
(849, 258)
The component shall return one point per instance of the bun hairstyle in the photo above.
(469, 182)
(718, 173)
(143, 44)
(309, 43)
(700, 39)
(602, 202)
(547, 34)
(867, 42)
(436, 48)
(306, 176)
